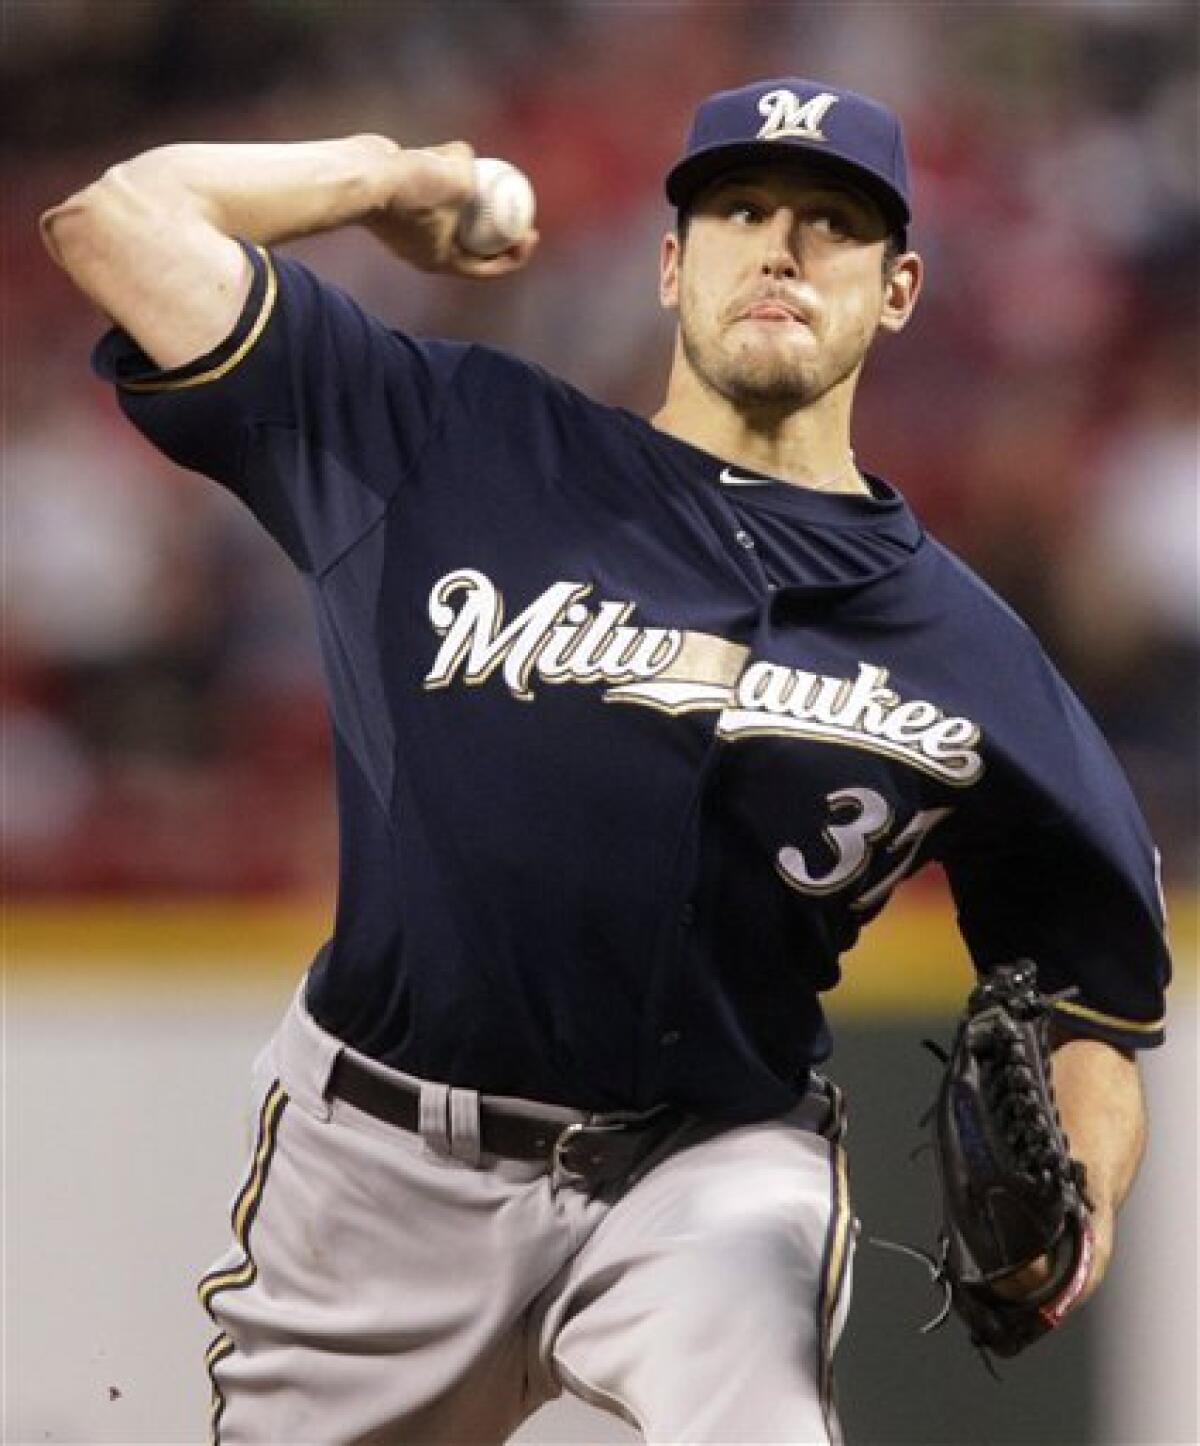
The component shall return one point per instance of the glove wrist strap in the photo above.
(1054, 1310)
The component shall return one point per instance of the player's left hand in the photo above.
(1019, 1247)
(1030, 1279)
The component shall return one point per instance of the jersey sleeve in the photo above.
(1070, 879)
(312, 411)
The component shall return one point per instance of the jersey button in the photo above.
(743, 537)
(669, 1037)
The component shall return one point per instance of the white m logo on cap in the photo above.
(787, 115)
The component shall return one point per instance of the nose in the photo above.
(782, 245)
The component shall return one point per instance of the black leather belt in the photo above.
(591, 1150)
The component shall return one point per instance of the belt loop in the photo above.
(305, 1055)
(464, 1126)
(433, 1118)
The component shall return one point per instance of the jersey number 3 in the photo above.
(859, 821)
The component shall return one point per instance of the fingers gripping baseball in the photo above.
(494, 233)
(501, 209)
(451, 213)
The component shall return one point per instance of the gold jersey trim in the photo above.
(1112, 1021)
(237, 356)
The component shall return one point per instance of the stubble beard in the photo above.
(764, 379)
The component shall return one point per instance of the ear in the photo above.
(669, 257)
(901, 288)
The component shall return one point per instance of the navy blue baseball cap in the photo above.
(803, 120)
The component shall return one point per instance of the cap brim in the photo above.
(698, 170)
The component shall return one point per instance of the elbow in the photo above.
(65, 227)
(77, 227)
(92, 227)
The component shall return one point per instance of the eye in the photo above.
(743, 212)
(833, 221)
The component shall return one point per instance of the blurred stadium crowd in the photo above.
(164, 725)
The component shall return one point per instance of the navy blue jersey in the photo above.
(629, 743)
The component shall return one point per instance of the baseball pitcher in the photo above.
(637, 723)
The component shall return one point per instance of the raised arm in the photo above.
(153, 241)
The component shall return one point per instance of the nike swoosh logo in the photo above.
(731, 479)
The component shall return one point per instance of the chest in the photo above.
(597, 690)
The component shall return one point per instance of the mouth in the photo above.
(774, 311)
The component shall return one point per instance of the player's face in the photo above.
(781, 286)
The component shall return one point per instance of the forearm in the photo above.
(1100, 1099)
(263, 193)
(1099, 1093)
(151, 241)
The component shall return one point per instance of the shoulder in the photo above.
(965, 588)
(997, 659)
(492, 375)
(975, 614)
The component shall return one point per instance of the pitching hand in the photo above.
(432, 187)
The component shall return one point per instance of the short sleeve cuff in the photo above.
(117, 357)
(1082, 1019)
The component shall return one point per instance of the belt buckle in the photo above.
(570, 1136)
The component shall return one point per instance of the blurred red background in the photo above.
(164, 726)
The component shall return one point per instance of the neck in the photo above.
(806, 445)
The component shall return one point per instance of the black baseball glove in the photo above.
(1011, 1192)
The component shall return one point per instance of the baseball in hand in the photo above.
(501, 210)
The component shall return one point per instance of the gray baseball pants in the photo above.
(393, 1287)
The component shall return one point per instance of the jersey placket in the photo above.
(667, 999)
(746, 550)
